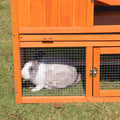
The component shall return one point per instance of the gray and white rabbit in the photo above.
(49, 76)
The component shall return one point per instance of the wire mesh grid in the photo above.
(64, 70)
(110, 71)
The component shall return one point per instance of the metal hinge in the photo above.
(93, 72)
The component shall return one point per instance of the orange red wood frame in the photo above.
(107, 2)
(96, 80)
(20, 40)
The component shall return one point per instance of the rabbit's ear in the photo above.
(36, 63)
(25, 70)
(39, 55)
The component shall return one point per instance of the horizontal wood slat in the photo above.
(68, 44)
(110, 50)
(68, 99)
(94, 29)
(110, 93)
(69, 37)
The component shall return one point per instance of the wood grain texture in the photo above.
(52, 13)
(37, 13)
(110, 50)
(110, 93)
(16, 51)
(96, 80)
(80, 13)
(69, 44)
(68, 99)
(23, 13)
(89, 62)
(66, 13)
(94, 29)
(89, 37)
(90, 13)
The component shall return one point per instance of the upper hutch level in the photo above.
(68, 16)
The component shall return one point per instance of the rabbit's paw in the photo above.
(36, 89)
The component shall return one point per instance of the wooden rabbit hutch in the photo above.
(87, 32)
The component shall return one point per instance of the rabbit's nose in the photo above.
(23, 76)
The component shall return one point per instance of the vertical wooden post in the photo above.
(16, 51)
(96, 80)
(90, 13)
(89, 62)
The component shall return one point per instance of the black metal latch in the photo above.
(47, 40)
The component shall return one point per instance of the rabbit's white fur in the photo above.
(25, 72)
(50, 75)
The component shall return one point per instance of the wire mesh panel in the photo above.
(53, 71)
(110, 71)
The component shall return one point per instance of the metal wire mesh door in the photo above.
(107, 80)
(57, 60)
(110, 71)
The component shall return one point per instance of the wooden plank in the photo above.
(89, 62)
(110, 93)
(96, 80)
(68, 44)
(67, 99)
(90, 13)
(37, 13)
(80, 13)
(89, 37)
(94, 29)
(66, 13)
(107, 2)
(24, 13)
(110, 50)
(16, 51)
(61, 99)
(52, 13)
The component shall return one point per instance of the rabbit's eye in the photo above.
(31, 69)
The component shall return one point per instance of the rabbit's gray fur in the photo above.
(50, 75)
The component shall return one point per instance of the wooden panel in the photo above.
(109, 93)
(90, 13)
(70, 37)
(68, 44)
(24, 13)
(89, 61)
(68, 99)
(80, 13)
(96, 80)
(94, 29)
(111, 50)
(66, 13)
(16, 52)
(107, 2)
(37, 13)
(52, 13)
(61, 99)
